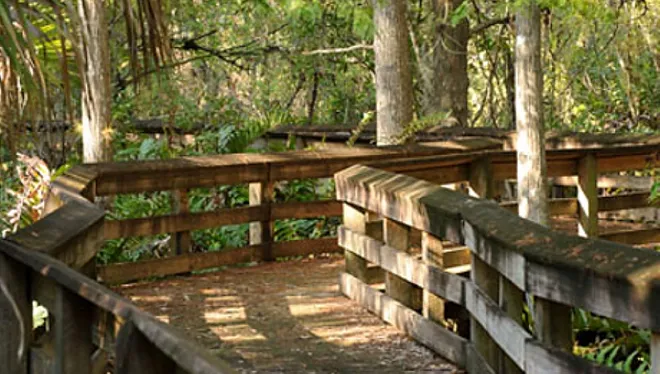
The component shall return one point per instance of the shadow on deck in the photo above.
(283, 317)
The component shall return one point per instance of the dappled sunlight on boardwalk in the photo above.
(283, 317)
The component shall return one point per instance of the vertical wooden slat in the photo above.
(484, 276)
(655, 352)
(262, 232)
(553, 323)
(432, 253)
(135, 354)
(511, 301)
(354, 218)
(588, 196)
(183, 239)
(73, 333)
(397, 235)
(15, 316)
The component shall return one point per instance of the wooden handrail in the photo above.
(607, 278)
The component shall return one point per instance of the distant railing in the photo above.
(401, 225)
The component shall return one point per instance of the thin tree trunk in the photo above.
(446, 83)
(394, 94)
(95, 71)
(532, 181)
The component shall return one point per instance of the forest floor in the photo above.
(289, 317)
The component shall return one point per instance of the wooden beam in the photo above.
(182, 222)
(182, 239)
(434, 336)
(135, 354)
(397, 236)
(433, 307)
(587, 196)
(73, 338)
(623, 201)
(306, 247)
(15, 316)
(261, 233)
(634, 237)
(130, 271)
(355, 219)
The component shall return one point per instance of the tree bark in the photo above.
(95, 72)
(446, 81)
(532, 181)
(394, 94)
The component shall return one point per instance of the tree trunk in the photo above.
(394, 95)
(532, 181)
(95, 71)
(446, 82)
(8, 106)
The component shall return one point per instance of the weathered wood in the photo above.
(476, 362)
(511, 302)
(355, 219)
(305, 247)
(433, 307)
(442, 284)
(130, 271)
(485, 278)
(397, 236)
(72, 234)
(540, 359)
(182, 222)
(428, 333)
(135, 354)
(307, 209)
(623, 201)
(617, 285)
(633, 237)
(261, 233)
(611, 181)
(655, 352)
(182, 239)
(73, 338)
(15, 316)
(587, 196)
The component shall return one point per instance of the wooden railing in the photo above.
(51, 262)
(401, 225)
(88, 325)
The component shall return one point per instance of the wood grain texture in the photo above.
(15, 316)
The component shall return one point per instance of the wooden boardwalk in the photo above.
(284, 317)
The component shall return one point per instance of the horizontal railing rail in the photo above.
(509, 257)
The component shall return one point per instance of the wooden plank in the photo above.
(135, 354)
(476, 362)
(434, 280)
(15, 316)
(397, 236)
(72, 234)
(182, 222)
(633, 237)
(620, 162)
(458, 256)
(619, 272)
(508, 334)
(623, 201)
(437, 338)
(306, 209)
(182, 239)
(433, 307)
(611, 181)
(587, 196)
(487, 278)
(355, 219)
(73, 338)
(540, 359)
(261, 233)
(130, 271)
(655, 352)
(306, 247)
(189, 357)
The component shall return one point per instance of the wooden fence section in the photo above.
(263, 171)
(510, 257)
(51, 262)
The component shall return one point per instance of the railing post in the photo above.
(397, 235)
(135, 354)
(432, 253)
(355, 219)
(15, 316)
(262, 232)
(73, 333)
(484, 276)
(182, 239)
(587, 191)
(655, 352)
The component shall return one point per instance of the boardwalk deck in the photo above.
(284, 317)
